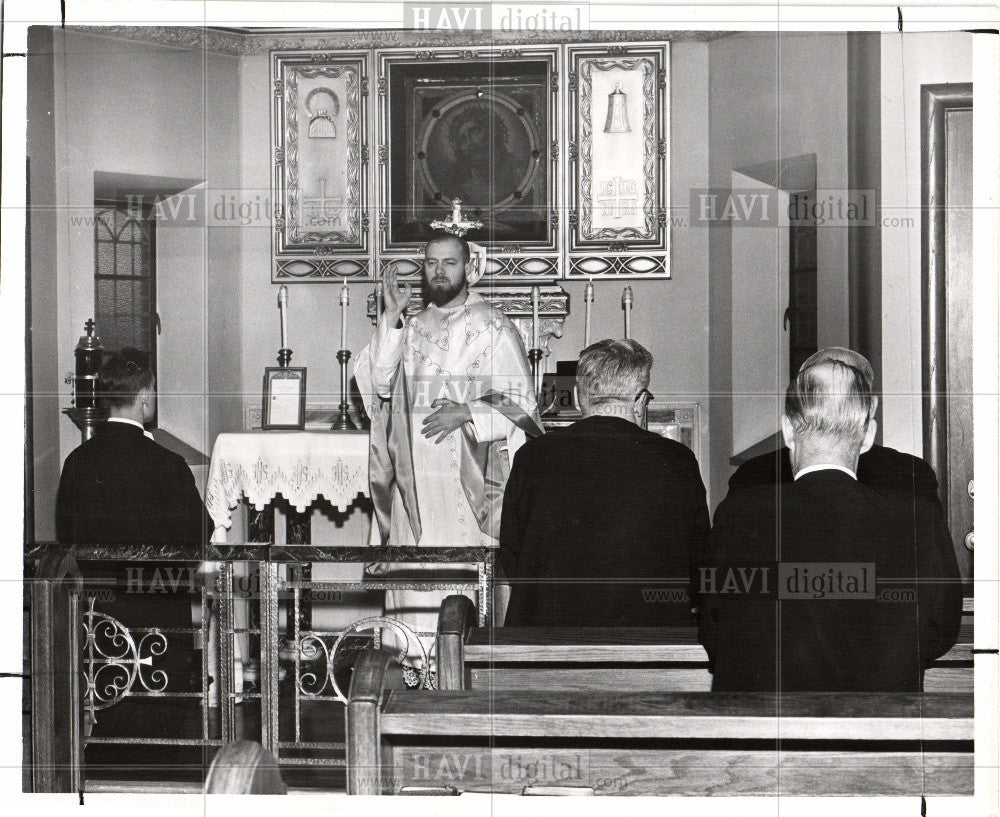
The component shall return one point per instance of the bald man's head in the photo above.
(846, 356)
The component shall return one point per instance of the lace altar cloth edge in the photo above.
(300, 465)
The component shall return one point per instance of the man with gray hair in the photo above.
(878, 466)
(601, 520)
(824, 583)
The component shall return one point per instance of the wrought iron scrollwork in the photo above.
(312, 649)
(114, 661)
(313, 680)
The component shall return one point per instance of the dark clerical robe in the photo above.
(825, 584)
(122, 488)
(601, 522)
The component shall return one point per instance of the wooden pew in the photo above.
(640, 659)
(244, 767)
(641, 743)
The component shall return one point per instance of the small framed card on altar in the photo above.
(284, 398)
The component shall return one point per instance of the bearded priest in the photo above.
(451, 399)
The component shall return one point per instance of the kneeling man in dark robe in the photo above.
(601, 520)
(825, 583)
(879, 466)
(121, 488)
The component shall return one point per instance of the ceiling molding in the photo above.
(182, 37)
(244, 41)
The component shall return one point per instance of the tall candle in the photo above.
(345, 299)
(627, 306)
(588, 299)
(283, 309)
(535, 295)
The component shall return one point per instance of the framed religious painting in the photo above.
(618, 137)
(478, 126)
(319, 166)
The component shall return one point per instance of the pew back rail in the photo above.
(640, 659)
(654, 743)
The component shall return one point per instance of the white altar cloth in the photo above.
(300, 465)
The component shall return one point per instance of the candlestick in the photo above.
(282, 309)
(535, 295)
(588, 299)
(627, 306)
(343, 421)
(345, 299)
(535, 357)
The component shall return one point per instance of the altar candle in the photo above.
(535, 295)
(345, 299)
(627, 306)
(283, 309)
(588, 299)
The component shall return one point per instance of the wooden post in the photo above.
(457, 617)
(375, 673)
(269, 669)
(226, 669)
(56, 702)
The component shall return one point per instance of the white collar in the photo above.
(826, 466)
(131, 423)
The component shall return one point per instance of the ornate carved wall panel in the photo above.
(319, 133)
(618, 161)
(560, 150)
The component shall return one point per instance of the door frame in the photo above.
(935, 103)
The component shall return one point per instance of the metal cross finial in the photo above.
(458, 224)
(89, 326)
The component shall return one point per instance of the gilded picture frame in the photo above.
(283, 404)
(428, 101)
(319, 173)
(618, 161)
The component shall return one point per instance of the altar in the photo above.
(301, 466)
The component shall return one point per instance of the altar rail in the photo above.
(63, 635)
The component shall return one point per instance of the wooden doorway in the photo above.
(946, 257)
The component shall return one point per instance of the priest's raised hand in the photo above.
(394, 297)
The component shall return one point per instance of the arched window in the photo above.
(125, 276)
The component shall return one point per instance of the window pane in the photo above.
(123, 302)
(105, 224)
(124, 266)
(105, 257)
(105, 302)
(123, 263)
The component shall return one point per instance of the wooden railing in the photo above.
(59, 680)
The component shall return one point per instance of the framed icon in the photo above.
(318, 175)
(480, 126)
(618, 172)
(284, 404)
